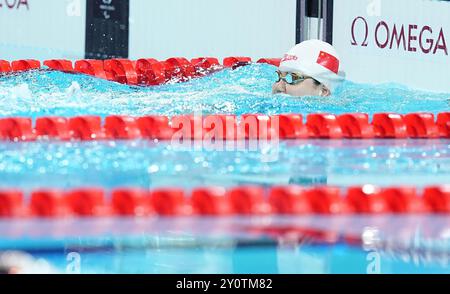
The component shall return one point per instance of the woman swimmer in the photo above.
(311, 68)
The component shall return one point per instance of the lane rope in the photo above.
(144, 72)
(218, 201)
(229, 127)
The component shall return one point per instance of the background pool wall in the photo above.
(158, 29)
(390, 39)
(42, 29)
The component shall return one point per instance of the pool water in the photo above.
(148, 164)
(244, 90)
(304, 244)
(124, 246)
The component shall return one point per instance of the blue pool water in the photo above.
(244, 90)
(130, 246)
(388, 244)
(149, 164)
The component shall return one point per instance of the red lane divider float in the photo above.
(59, 64)
(91, 67)
(182, 69)
(121, 71)
(53, 127)
(217, 201)
(86, 128)
(145, 72)
(235, 62)
(443, 123)
(356, 126)
(272, 61)
(211, 201)
(24, 65)
(16, 129)
(131, 202)
(11, 204)
(204, 64)
(49, 203)
(229, 127)
(150, 72)
(5, 66)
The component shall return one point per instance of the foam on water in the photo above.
(244, 90)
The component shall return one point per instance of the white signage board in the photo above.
(42, 29)
(217, 28)
(401, 41)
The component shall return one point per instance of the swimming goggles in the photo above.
(291, 78)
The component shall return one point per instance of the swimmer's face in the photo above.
(303, 87)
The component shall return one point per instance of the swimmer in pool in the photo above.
(311, 68)
(16, 262)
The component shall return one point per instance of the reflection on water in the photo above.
(307, 244)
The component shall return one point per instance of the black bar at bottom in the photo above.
(210, 283)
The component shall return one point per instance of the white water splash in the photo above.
(21, 91)
(73, 89)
